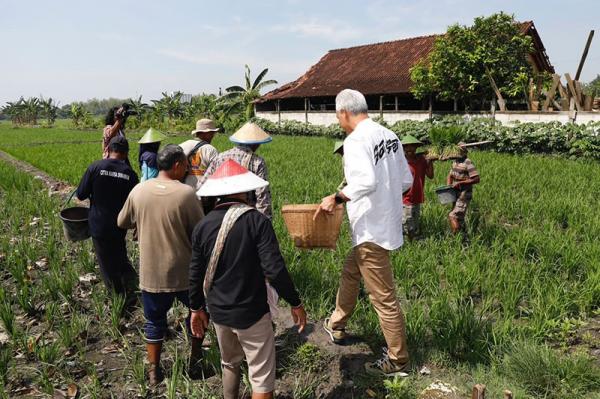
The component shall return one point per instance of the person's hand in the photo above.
(119, 113)
(199, 323)
(299, 317)
(456, 185)
(327, 205)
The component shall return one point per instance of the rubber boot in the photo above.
(196, 369)
(155, 374)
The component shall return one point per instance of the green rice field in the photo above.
(511, 306)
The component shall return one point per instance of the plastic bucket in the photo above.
(446, 194)
(75, 222)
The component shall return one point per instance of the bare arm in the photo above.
(429, 169)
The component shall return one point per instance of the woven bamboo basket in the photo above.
(308, 233)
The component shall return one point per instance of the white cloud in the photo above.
(333, 30)
(222, 58)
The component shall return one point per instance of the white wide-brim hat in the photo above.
(205, 126)
(230, 178)
(250, 134)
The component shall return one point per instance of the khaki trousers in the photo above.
(372, 263)
(257, 344)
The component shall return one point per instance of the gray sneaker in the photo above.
(386, 367)
(337, 336)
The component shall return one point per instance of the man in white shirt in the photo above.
(377, 174)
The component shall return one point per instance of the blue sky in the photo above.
(75, 50)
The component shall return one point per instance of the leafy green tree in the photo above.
(245, 96)
(592, 88)
(462, 61)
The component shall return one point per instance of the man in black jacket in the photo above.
(234, 248)
(107, 184)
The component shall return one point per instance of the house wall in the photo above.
(506, 118)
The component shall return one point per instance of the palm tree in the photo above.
(246, 96)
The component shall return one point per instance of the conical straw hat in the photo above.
(152, 136)
(409, 139)
(250, 133)
(338, 147)
(230, 178)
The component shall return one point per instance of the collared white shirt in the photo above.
(377, 174)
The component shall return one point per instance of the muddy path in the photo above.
(54, 185)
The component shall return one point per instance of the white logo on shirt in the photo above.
(118, 175)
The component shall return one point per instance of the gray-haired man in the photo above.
(377, 174)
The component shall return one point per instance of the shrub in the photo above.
(574, 141)
(546, 373)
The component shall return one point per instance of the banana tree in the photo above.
(169, 105)
(49, 110)
(78, 114)
(15, 111)
(32, 109)
(245, 96)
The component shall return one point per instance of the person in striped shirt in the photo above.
(462, 177)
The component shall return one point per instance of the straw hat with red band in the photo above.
(230, 178)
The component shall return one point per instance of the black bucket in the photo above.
(75, 222)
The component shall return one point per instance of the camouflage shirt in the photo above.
(463, 170)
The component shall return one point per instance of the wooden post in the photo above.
(305, 110)
(508, 394)
(588, 102)
(430, 107)
(278, 112)
(478, 392)
(531, 94)
(584, 55)
(550, 94)
(579, 91)
(381, 107)
(573, 92)
(396, 103)
(557, 105)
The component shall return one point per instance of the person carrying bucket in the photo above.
(413, 198)
(107, 184)
(463, 175)
(149, 145)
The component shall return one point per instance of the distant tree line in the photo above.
(169, 112)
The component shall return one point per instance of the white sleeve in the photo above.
(359, 170)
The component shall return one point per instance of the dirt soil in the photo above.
(55, 186)
(334, 375)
